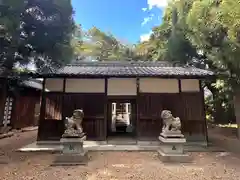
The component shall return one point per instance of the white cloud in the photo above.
(144, 9)
(147, 19)
(145, 37)
(157, 3)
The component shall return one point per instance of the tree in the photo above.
(10, 19)
(105, 47)
(36, 30)
(204, 34)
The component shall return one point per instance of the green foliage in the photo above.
(35, 30)
(103, 47)
(203, 33)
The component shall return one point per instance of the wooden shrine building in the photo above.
(141, 90)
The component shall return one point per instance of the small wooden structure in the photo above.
(19, 108)
(150, 87)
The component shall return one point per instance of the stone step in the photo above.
(122, 142)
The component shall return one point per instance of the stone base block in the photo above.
(174, 158)
(71, 159)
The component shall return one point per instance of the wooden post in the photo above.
(105, 109)
(42, 110)
(137, 109)
(179, 85)
(63, 94)
(204, 110)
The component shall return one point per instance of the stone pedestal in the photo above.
(73, 152)
(172, 148)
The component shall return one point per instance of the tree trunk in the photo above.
(237, 109)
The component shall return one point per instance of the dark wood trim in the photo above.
(54, 92)
(64, 85)
(64, 89)
(42, 109)
(204, 110)
(179, 85)
(120, 97)
(84, 93)
(105, 108)
(137, 108)
(105, 86)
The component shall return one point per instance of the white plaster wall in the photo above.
(122, 86)
(85, 85)
(190, 85)
(53, 84)
(158, 85)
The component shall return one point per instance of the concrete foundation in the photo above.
(177, 158)
(172, 149)
(72, 152)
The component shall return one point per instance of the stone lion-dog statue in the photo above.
(73, 124)
(170, 124)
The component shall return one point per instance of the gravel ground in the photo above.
(113, 165)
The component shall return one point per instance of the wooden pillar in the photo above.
(137, 109)
(42, 110)
(204, 110)
(180, 112)
(63, 112)
(105, 109)
(179, 85)
(63, 95)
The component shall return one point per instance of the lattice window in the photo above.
(8, 111)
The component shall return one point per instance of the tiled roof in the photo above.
(128, 69)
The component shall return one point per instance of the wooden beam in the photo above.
(42, 109)
(204, 110)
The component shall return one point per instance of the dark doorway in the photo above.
(121, 118)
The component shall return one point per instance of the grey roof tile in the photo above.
(131, 69)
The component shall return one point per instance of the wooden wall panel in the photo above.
(149, 122)
(93, 108)
(51, 130)
(91, 104)
(53, 106)
(193, 106)
(193, 116)
(24, 111)
(187, 106)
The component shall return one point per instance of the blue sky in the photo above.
(129, 20)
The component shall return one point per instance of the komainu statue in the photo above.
(73, 125)
(170, 124)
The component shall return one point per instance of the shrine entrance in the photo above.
(121, 120)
